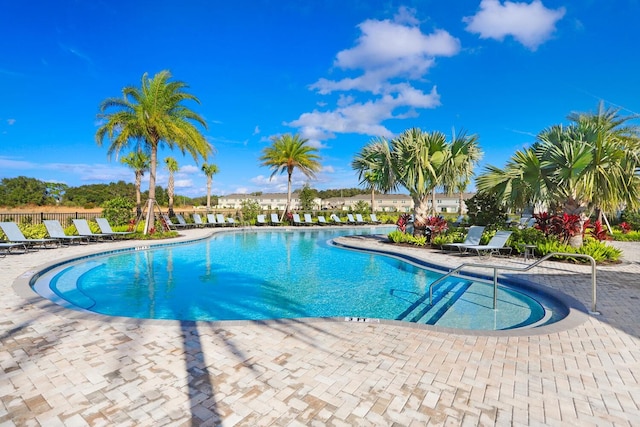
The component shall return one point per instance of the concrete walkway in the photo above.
(61, 367)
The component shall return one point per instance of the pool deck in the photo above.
(67, 368)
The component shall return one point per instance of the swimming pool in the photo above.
(280, 274)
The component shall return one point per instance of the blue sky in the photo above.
(338, 72)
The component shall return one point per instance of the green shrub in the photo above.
(250, 210)
(600, 251)
(118, 211)
(631, 236)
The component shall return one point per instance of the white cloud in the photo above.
(256, 130)
(530, 24)
(386, 60)
(11, 121)
(183, 183)
(189, 169)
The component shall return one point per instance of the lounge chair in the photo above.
(182, 222)
(495, 245)
(261, 220)
(105, 228)
(168, 223)
(458, 221)
(351, 220)
(297, 220)
(55, 230)
(220, 221)
(6, 247)
(211, 220)
(374, 219)
(308, 220)
(231, 222)
(360, 220)
(472, 238)
(197, 220)
(275, 220)
(84, 230)
(322, 220)
(336, 219)
(14, 235)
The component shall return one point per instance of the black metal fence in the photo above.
(37, 217)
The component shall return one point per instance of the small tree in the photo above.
(250, 209)
(306, 196)
(485, 209)
(118, 211)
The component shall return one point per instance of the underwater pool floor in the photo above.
(71, 368)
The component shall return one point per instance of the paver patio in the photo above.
(61, 367)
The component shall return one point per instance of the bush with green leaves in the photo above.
(485, 209)
(398, 236)
(600, 251)
(118, 211)
(250, 210)
(631, 236)
(361, 207)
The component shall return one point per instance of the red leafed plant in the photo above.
(562, 226)
(597, 231)
(437, 224)
(626, 227)
(403, 221)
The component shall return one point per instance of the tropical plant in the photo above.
(403, 221)
(285, 154)
(591, 164)
(307, 196)
(250, 209)
(209, 170)
(484, 208)
(139, 161)
(118, 211)
(153, 114)
(172, 166)
(417, 161)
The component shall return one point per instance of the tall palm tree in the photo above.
(287, 153)
(209, 171)
(464, 155)
(155, 115)
(592, 163)
(172, 167)
(137, 160)
(413, 160)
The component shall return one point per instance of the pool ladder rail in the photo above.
(529, 267)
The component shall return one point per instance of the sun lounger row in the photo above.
(57, 236)
(321, 220)
(213, 220)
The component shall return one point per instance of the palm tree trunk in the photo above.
(373, 201)
(171, 190)
(150, 219)
(573, 206)
(288, 206)
(208, 193)
(420, 214)
(433, 202)
(138, 195)
(460, 202)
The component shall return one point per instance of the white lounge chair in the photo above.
(308, 220)
(261, 220)
(472, 238)
(84, 230)
(182, 222)
(55, 230)
(6, 247)
(197, 220)
(297, 220)
(336, 219)
(221, 221)
(322, 220)
(275, 220)
(351, 220)
(360, 220)
(14, 235)
(495, 246)
(211, 220)
(105, 228)
(374, 219)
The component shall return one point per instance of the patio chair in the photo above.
(336, 219)
(6, 247)
(322, 220)
(197, 220)
(275, 220)
(351, 220)
(297, 220)
(55, 230)
(374, 219)
(308, 220)
(168, 223)
(84, 230)
(105, 228)
(495, 246)
(221, 221)
(211, 220)
(472, 238)
(360, 220)
(182, 222)
(261, 220)
(231, 222)
(14, 235)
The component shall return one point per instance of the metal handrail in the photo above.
(529, 267)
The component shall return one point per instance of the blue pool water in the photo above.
(283, 274)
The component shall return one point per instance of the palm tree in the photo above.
(138, 161)
(286, 153)
(592, 163)
(153, 114)
(209, 171)
(464, 155)
(412, 160)
(172, 167)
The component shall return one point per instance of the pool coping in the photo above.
(23, 287)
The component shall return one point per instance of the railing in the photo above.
(529, 267)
